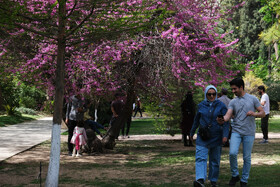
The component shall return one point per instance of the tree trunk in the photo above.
(276, 42)
(53, 170)
(269, 62)
(276, 51)
(109, 139)
(1, 99)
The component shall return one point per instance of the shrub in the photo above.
(31, 97)
(24, 110)
(10, 93)
(11, 111)
(273, 91)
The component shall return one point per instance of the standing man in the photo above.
(224, 98)
(116, 108)
(75, 112)
(266, 107)
(242, 108)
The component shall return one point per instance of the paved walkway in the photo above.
(18, 138)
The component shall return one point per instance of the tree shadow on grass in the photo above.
(11, 120)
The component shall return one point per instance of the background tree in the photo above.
(246, 23)
(271, 36)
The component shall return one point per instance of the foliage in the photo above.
(271, 11)
(24, 110)
(260, 68)
(252, 83)
(11, 110)
(273, 92)
(31, 97)
(246, 24)
(10, 92)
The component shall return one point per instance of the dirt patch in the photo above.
(132, 163)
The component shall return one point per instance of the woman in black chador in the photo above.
(188, 113)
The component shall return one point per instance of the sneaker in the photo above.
(69, 153)
(198, 183)
(263, 141)
(234, 180)
(78, 155)
(213, 184)
(243, 184)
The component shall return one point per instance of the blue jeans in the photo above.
(94, 125)
(201, 156)
(247, 143)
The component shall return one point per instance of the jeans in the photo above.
(94, 125)
(247, 143)
(201, 156)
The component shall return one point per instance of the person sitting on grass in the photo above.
(79, 138)
(91, 123)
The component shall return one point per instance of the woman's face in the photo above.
(211, 95)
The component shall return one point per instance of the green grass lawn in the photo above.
(11, 120)
(273, 124)
(143, 126)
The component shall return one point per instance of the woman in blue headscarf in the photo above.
(208, 111)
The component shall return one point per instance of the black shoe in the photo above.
(213, 184)
(243, 184)
(234, 180)
(69, 153)
(198, 183)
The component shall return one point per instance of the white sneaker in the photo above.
(78, 155)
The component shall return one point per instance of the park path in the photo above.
(20, 137)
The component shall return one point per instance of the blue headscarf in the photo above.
(206, 90)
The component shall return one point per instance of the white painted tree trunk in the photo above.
(53, 170)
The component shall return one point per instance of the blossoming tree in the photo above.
(77, 46)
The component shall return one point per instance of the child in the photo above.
(79, 138)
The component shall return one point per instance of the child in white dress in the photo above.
(79, 138)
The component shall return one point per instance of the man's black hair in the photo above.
(237, 82)
(224, 91)
(118, 95)
(261, 88)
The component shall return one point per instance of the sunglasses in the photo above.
(209, 94)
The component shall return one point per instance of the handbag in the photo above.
(204, 132)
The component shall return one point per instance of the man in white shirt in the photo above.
(266, 107)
